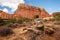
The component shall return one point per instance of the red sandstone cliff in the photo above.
(30, 11)
(26, 11)
(5, 15)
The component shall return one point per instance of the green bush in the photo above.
(12, 20)
(21, 20)
(56, 16)
(2, 22)
(52, 19)
(45, 20)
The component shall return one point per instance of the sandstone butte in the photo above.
(26, 11)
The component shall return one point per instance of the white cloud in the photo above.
(50, 8)
(11, 3)
(5, 10)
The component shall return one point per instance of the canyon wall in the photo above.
(25, 11)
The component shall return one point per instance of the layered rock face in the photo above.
(30, 11)
(26, 11)
(5, 15)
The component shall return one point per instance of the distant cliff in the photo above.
(5, 15)
(25, 11)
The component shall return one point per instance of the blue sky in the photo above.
(49, 5)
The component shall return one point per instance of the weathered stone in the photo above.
(26, 11)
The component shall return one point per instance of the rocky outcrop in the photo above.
(26, 11)
(5, 15)
(30, 11)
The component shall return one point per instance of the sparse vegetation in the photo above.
(40, 28)
(11, 25)
(5, 31)
(35, 32)
(49, 31)
(45, 20)
(22, 20)
(2, 22)
(56, 16)
(11, 20)
(31, 35)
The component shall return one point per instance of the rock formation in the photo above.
(4, 15)
(26, 11)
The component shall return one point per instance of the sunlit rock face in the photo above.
(5, 15)
(30, 11)
(26, 11)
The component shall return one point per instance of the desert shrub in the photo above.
(56, 16)
(11, 20)
(2, 22)
(45, 20)
(21, 20)
(31, 34)
(13, 25)
(49, 31)
(40, 33)
(57, 23)
(52, 19)
(5, 31)
(14, 20)
(26, 19)
(40, 28)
